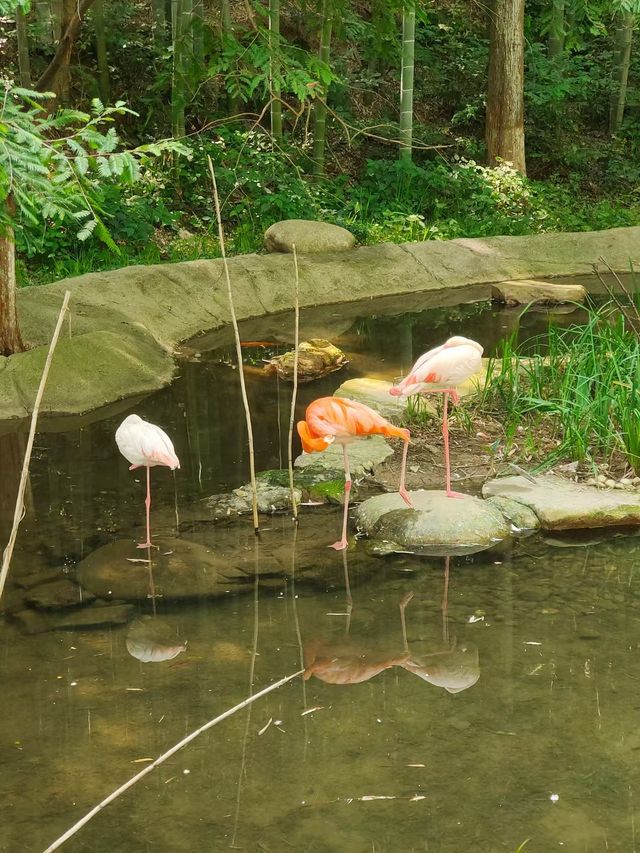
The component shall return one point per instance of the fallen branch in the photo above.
(294, 396)
(234, 321)
(113, 796)
(18, 514)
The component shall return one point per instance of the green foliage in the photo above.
(584, 381)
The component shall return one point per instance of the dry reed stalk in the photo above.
(294, 396)
(234, 321)
(113, 796)
(18, 514)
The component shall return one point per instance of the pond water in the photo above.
(540, 741)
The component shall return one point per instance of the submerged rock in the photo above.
(563, 505)
(455, 669)
(97, 615)
(436, 525)
(57, 595)
(316, 358)
(180, 570)
(308, 236)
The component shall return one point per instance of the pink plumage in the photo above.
(145, 445)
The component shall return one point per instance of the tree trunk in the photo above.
(555, 37)
(10, 337)
(24, 65)
(198, 31)
(406, 79)
(320, 113)
(56, 74)
(104, 86)
(621, 62)
(504, 130)
(274, 69)
(178, 98)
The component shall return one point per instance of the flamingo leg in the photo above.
(404, 494)
(341, 544)
(406, 598)
(147, 503)
(445, 602)
(445, 436)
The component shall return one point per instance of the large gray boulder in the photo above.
(563, 505)
(307, 235)
(436, 525)
(364, 456)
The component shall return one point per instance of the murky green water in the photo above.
(543, 745)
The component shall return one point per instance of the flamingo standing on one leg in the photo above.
(145, 445)
(336, 419)
(439, 371)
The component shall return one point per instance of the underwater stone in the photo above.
(95, 616)
(58, 595)
(563, 505)
(308, 236)
(180, 570)
(436, 525)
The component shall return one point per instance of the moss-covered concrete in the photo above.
(125, 324)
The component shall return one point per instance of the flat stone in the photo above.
(95, 616)
(436, 525)
(58, 595)
(316, 358)
(31, 621)
(529, 290)
(180, 570)
(563, 505)
(308, 236)
(519, 515)
(364, 456)
(375, 394)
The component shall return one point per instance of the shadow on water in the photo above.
(506, 709)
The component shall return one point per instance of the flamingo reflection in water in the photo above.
(456, 667)
(343, 661)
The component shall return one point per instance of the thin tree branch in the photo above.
(19, 508)
(294, 395)
(113, 796)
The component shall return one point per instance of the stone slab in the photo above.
(529, 291)
(563, 505)
(364, 456)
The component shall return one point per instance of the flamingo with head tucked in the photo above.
(145, 445)
(440, 371)
(337, 420)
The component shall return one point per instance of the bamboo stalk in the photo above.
(406, 79)
(320, 111)
(555, 37)
(234, 321)
(274, 69)
(19, 508)
(162, 758)
(622, 61)
(294, 395)
(104, 86)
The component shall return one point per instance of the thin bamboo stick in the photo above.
(294, 396)
(234, 321)
(113, 796)
(19, 509)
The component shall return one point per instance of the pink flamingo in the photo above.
(336, 419)
(145, 445)
(439, 371)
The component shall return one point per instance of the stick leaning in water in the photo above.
(294, 395)
(18, 514)
(234, 321)
(113, 796)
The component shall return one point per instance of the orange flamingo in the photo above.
(336, 419)
(439, 371)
